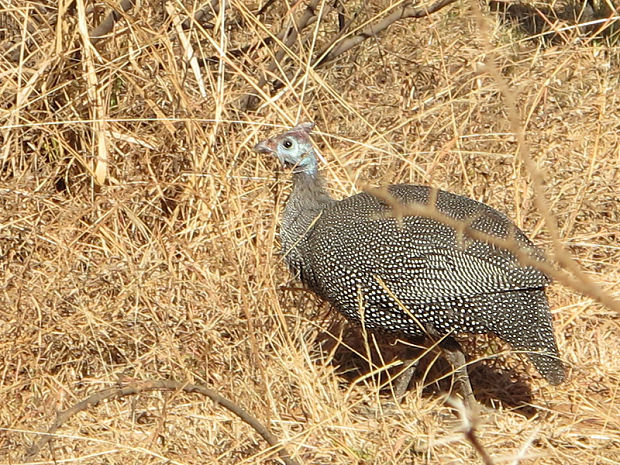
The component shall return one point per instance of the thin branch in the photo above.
(581, 281)
(108, 23)
(337, 47)
(204, 15)
(575, 279)
(340, 10)
(287, 36)
(470, 420)
(160, 385)
(290, 32)
(341, 33)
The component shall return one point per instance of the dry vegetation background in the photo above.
(143, 245)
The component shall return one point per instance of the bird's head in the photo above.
(293, 148)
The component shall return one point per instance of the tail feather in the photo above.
(525, 323)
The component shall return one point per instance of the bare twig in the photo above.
(160, 385)
(108, 23)
(264, 8)
(340, 9)
(338, 47)
(287, 37)
(203, 15)
(341, 42)
(579, 280)
(464, 229)
(469, 419)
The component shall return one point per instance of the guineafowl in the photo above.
(412, 274)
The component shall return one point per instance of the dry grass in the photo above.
(144, 245)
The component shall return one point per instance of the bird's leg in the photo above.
(404, 378)
(454, 355)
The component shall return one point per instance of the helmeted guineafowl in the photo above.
(413, 275)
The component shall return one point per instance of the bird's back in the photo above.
(420, 254)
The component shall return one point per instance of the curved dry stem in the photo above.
(160, 385)
(575, 280)
(580, 281)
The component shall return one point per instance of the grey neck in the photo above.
(305, 204)
(309, 190)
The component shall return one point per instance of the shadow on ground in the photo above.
(494, 383)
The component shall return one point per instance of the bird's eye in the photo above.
(287, 144)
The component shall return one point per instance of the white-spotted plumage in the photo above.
(413, 276)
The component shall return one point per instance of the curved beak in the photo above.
(263, 147)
